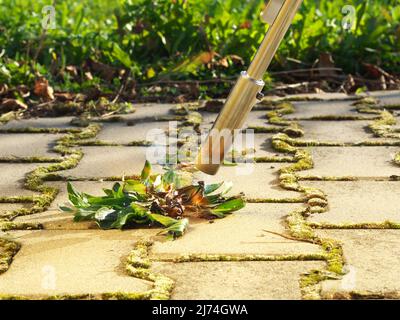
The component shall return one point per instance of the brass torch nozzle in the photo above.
(279, 14)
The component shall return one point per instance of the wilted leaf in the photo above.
(12, 105)
(43, 90)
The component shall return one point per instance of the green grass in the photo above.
(170, 39)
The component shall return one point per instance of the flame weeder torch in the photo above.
(279, 15)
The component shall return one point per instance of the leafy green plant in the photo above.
(164, 199)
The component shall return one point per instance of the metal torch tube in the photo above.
(245, 93)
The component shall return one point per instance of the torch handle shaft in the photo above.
(273, 38)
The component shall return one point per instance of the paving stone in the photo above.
(263, 146)
(121, 133)
(110, 161)
(9, 207)
(148, 112)
(59, 122)
(242, 232)
(358, 201)
(363, 162)
(28, 145)
(387, 97)
(322, 96)
(336, 131)
(309, 109)
(244, 176)
(256, 118)
(372, 257)
(71, 262)
(12, 178)
(236, 280)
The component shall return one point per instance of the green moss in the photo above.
(338, 118)
(17, 199)
(30, 159)
(382, 126)
(138, 265)
(8, 249)
(273, 159)
(97, 143)
(126, 296)
(298, 227)
(366, 101)
(259, 129)
(334, 255)
(238, 258)
(362, 295)
(8, 225)
(40, 130)
(367, 225)
(35, 179)
(327, 178)
(397, 158)
(294, 131)
(317, 202)
(278, 200)
(139, 143)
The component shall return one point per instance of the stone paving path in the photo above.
(322, 219)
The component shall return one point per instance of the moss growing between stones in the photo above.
(17, 199)
(126, 296)
(9, 225)
(35, 179)
(317, 202)
(366, 225)
(294, 130)
(8, 249)
(382, 126)
(40, 130)
(239, 258)
(280, 200)
(334, 255)
(298, 227)
(138, 265)
(275, 117)
(273, 159)
(366, 101)
(362, 295)
(327, 178)
(397, 158)
(30, 160)
(338, 118)
(259, 129)
(296, 221)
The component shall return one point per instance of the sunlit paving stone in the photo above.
(243, 232)
(332, 109)
(260, 180)
(236, 280)
(361, 162)
(56, 122)
(28, 145)
(358, 202)
(71, 263)
(152, 132)
(337, 131)
(101, 162)
(12, 178)
(372, 262)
